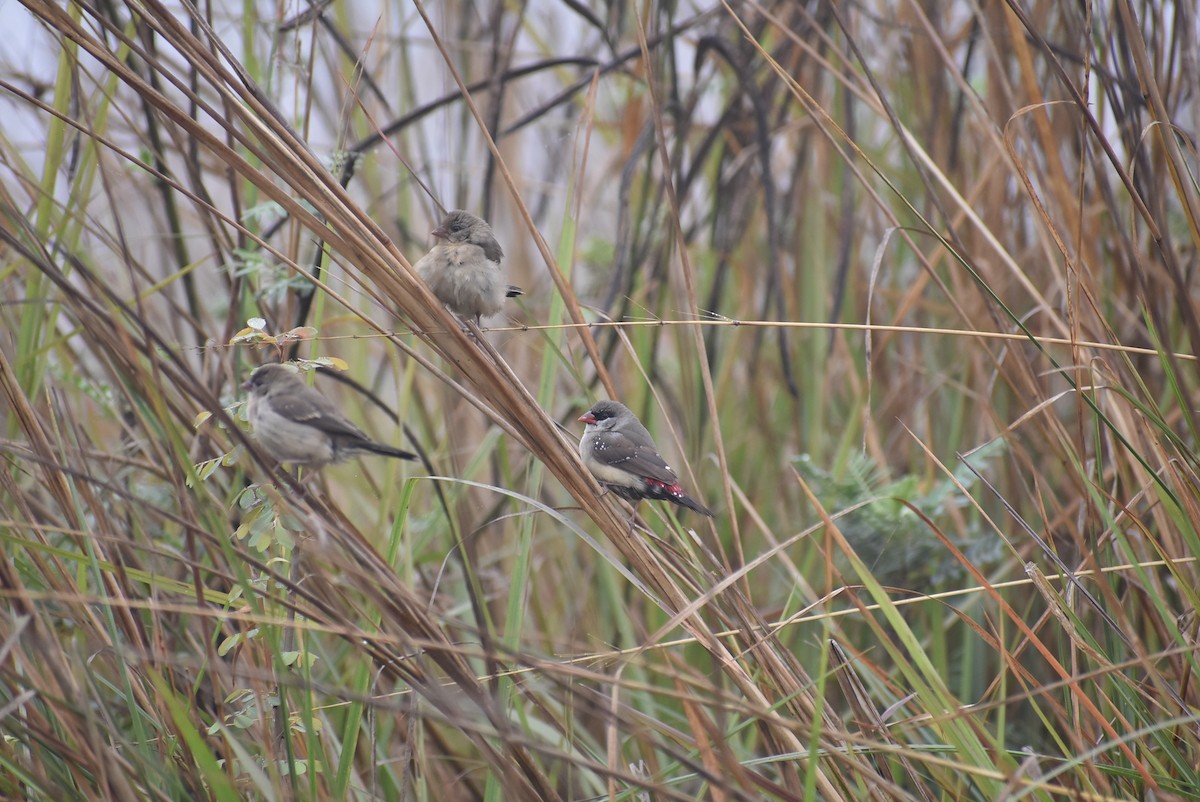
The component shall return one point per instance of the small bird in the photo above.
(463, 269)
(296, 424)
(620, 453)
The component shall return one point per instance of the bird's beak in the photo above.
(440, 232)
(246, 386)
(587, 417)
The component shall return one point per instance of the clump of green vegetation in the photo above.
(898, 528)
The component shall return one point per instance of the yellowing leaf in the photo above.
(299, 333)
(332, 362)
(251, 336)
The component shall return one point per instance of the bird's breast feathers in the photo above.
(468, 255)
(466, 281)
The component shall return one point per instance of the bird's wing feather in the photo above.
(307, 406)
(425, 265)
(619, 451)
(492, 250)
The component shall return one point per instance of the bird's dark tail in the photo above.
(513, 292)
(387, 451)
(674, 494)
(684, 500)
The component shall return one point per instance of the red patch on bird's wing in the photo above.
(674, 490)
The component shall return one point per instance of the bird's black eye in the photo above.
(603, 414)
(457, 225)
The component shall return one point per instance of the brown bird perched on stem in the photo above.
(296, 424)
(620, 453)
(463, 268)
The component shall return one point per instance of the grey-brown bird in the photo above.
(296, 424)
(620, 453)
(463, 268)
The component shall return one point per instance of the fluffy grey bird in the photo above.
(463, 268)
(296, 424)
(620, 453)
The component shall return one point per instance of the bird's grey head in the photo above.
(460, 227)
(265, 377)
(605, 414)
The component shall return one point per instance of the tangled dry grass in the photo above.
(909, 299)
